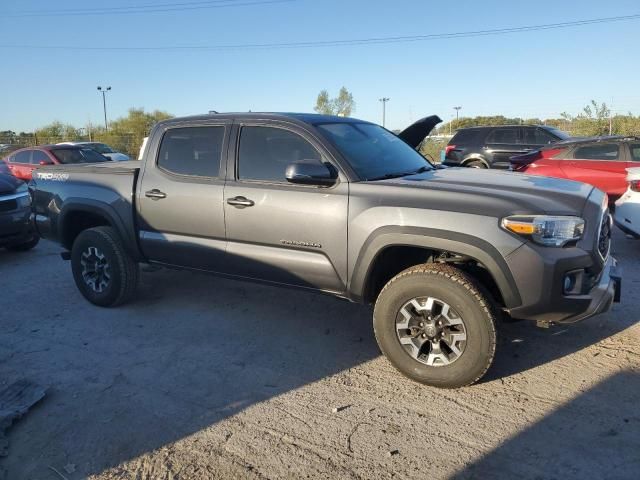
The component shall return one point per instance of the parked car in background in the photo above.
(23, 162)
(103, 149)
(627, 215)
(491, 147)
(599, 161)
(16, 232)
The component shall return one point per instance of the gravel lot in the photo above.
(208, 378)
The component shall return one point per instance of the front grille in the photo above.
(8, 205)
(604, 237)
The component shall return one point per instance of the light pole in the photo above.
(384, 101)
(457, 109)
(104, 104)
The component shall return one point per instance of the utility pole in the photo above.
(104, 104)
(384, 101)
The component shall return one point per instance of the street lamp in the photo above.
(384, 101)
(457, 109)
(104, 90)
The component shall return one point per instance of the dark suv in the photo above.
(491, 147)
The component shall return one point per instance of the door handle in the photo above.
(155, 194)
(240, 202)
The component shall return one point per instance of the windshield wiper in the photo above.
(401, 174)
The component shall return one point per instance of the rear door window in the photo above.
(508, 136)
(22, 157)
(193, 151)
(598, 151)
(634, 148)
(465, 137)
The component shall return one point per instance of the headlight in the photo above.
(546, 230)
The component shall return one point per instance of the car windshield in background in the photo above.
(78, 155)
(101, 148)
(373, 152)
(559, 133)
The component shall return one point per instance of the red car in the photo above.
(601, 162)
(23, 162)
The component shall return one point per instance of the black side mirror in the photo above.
(310, 172)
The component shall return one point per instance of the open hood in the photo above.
(415, 133)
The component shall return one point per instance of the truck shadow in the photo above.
(587, 437)
(193, 350)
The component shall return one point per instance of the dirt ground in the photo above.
(208, 378)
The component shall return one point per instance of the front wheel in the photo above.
(436, 326)
(104, 272)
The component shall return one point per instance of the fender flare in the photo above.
(435, 239)
(101, 209)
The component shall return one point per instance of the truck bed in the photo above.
(106, 188)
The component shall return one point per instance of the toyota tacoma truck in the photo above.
(345, 207)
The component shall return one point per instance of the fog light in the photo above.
(572, 284)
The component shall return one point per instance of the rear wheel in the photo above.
(476, 164)
(104, 272)
(436, 326)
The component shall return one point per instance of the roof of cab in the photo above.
(309, 118)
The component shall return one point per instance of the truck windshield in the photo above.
(78, 155)
(373, 152)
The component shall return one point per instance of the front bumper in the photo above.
(15, 227)
(540, 280)
(627, 215)
(604, 294)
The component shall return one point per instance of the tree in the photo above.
(593, 121)
(323, 103)
(343, 105)
(57, 132)
(126, 133)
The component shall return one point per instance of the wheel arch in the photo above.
(81, 214)
(475, 158)
(420, 245)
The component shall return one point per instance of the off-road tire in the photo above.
(123, 270)
(25, 246)
(462, 293)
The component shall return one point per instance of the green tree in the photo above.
(593, 120)
(57, 132)
(342, 105)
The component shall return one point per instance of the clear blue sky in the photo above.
(530, 74)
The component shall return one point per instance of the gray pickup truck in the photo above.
(345, 207)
